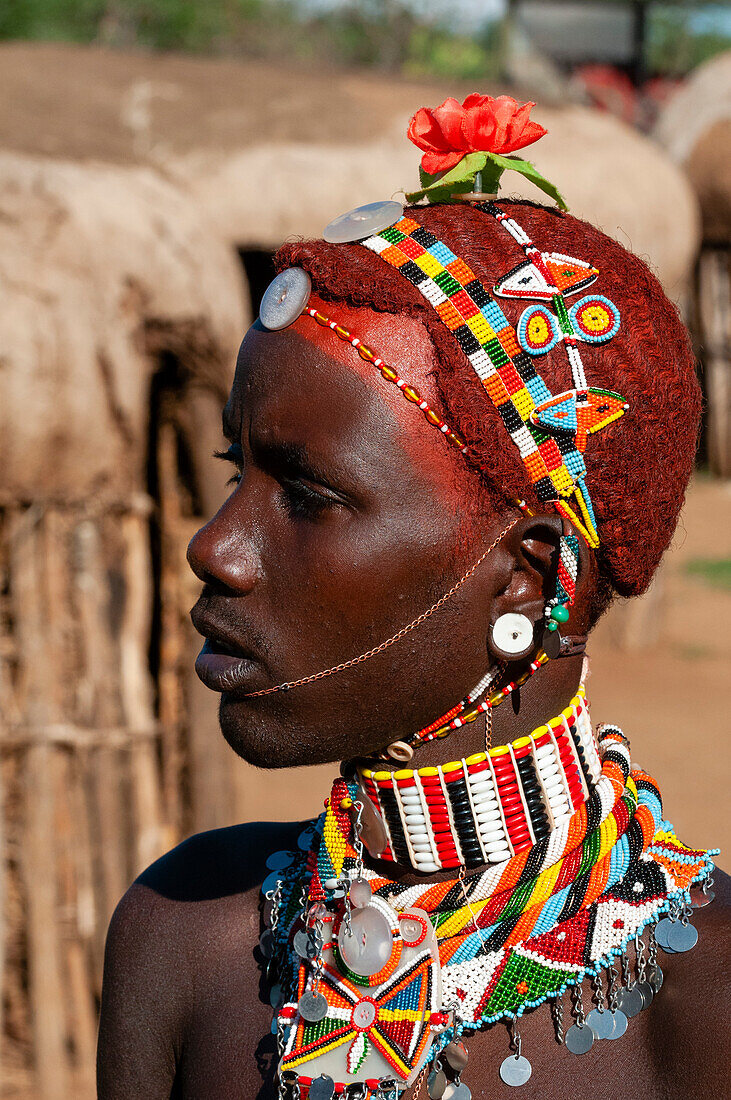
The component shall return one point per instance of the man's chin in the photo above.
(264, 743)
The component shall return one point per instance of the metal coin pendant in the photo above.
(656, 980)
(515, 1071)
(436, 1084)
(662, 932)
(306, 944)
(699, 900)
(458, 1091)
(601, 1023)
(630, 1001)
(312, 1007)
(579, 1040)
(360, 893)
(457, 1056)
(322, 1088)
(619, 1024)
(304, 840)
(682, 937)
(266, 943)
(270, 882)
(645, 991)
(285, 298)
(277, 861)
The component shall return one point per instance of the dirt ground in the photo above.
(659, 668)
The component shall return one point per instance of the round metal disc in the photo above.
(458, 1092)
(662, 931)
(322, 1088)
(305, 944)
(579, 1040)
(304, 840)
(515, 1071)
(699, 900)
(270, 882)
(285, 298)
(266, 943)
(275, 995)
(656, 978)
(457, 1056)
(630, 1001)
(277, 861)
(436, 1084)
(646, 992)
(620, 1024)
(312, 1007)
(601, 1023)
(363, 221)
(682, 937)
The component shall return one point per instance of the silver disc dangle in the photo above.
(579, 1040)
(515, 1069)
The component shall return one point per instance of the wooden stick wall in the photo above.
(90, 777)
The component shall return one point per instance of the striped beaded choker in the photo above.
(488, 807)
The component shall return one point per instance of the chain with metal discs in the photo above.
(515, 1070)
(646, 991)
(436, 1084)
(629, 999)
(579, 1037)
(599, 1019)
(619, 1020)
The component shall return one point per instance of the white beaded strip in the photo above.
(585, 735)
(475, 802)
(489, 822)
(416, 830)
(553, 778)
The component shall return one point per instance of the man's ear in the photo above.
(531, 550)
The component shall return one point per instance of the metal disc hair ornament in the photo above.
(285, 298)
(363, 221)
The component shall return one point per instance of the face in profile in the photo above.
(348, 516)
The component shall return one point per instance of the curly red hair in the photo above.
(637, 468)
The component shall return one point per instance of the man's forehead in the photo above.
(309, 359)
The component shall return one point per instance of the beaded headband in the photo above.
(549, 430)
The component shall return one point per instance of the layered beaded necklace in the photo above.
(376, 983)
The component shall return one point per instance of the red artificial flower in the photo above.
(482, 124)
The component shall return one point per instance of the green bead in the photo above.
(560, 613)
(550, 625)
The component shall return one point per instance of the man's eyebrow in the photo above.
(283, 456)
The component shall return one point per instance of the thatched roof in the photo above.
(695, 128)
(101, 268)
(271, 151)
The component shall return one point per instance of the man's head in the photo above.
(353, 514)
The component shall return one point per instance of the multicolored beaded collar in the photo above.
(492, 805)
(380, 982)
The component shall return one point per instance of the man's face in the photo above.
(347, 520)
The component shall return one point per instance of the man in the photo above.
(357, 585)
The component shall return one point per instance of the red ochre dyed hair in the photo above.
(638, 468)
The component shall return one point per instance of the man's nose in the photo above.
(223, 554)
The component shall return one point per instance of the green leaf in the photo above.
(458, 179)
(531, 173)
(461, 178)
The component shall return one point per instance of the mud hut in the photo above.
(122, 305)
(120, 318)
(695, 129)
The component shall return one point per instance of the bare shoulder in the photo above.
(172, 937)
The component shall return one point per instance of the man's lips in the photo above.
(223, 664)
(223, 671)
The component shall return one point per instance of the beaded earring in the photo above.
(556, 610)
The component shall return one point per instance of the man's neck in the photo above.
(539, 699)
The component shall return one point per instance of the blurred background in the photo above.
(153, 154)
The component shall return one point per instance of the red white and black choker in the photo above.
(490, 806)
